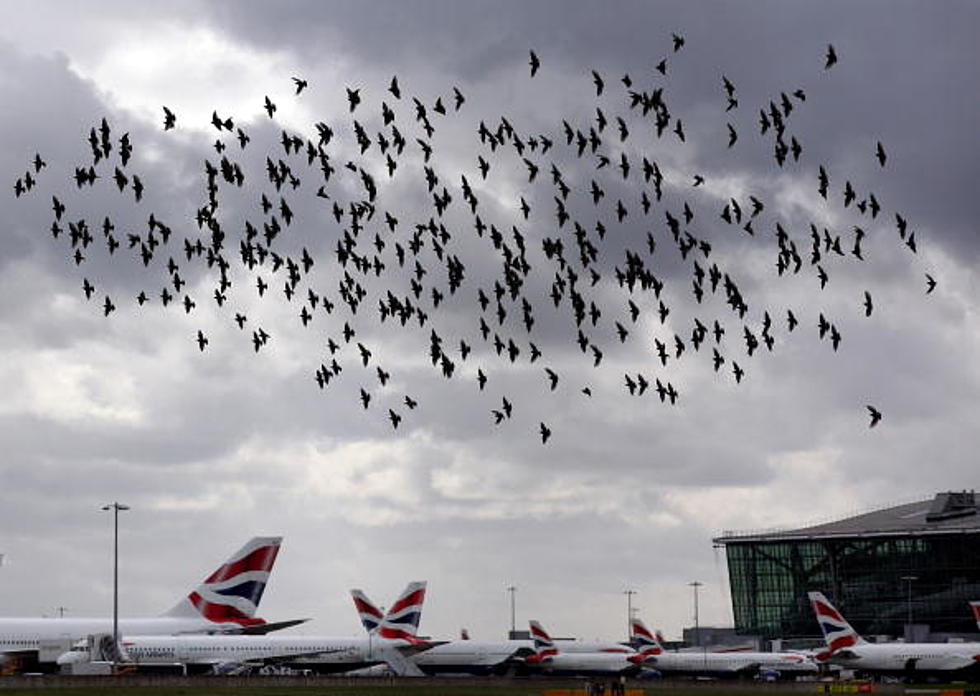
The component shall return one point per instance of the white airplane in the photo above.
(710, 664)
(393, 641)
(226, 601)
(547, 658)
(975, 608)
(468, 656)
(734, 663)
(848, 649)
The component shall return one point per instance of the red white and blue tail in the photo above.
(975, 608)
(371, 616)
(231, 594)
(837, 633)
(643, 639)
(402, 620)
(544, 646)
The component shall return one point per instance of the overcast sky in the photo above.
(210, 448)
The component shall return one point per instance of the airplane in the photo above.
(776, 664)
(548, 659)
(848, 649)
(225, 601)
(710, 664)
(220, 653)
(975, 607)
(467, 656)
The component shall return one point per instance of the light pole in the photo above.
(908, 627)
(115, 507)
(629, 612)
(513, 609)
(697, 630)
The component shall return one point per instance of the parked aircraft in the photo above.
(722, 665)
(320, 654)
(547, 658)
(468, 656)
(848, 649)
(225, 601)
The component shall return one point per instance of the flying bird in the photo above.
(875, 415)
(880, 154)
(534, 63)
(831, 57)
(545, 433)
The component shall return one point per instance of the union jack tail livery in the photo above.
(837, 633)
(371, 616)
(645, 642)
(544, 647)
(402, 620)
(975, 607)
(232, 593)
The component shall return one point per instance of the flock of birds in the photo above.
(570, 258)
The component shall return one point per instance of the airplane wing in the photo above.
(262, 629)
(416, 648)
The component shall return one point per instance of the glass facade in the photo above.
(865, 577)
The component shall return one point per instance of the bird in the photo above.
(552, 377)
(534, 63)
(738, 372)
(169, 119)
(394, 418)
(867, 304)
(930, 283)
(353, 98)
(880, 154)
(545, 433)
(269, 106)
(202, 340)
(875, 415)
(831, 57)
(300, 84)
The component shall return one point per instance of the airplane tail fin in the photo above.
(837, 633)
(402, 620)
(544, 646)
(646, 642)
(975, 607)
(231, 594)
(371, 616)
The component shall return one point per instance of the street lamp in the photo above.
(908, 627)
(697, 630)
(629, 612)
(513, 614)
(115, 507)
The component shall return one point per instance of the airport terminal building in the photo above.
(918, 561)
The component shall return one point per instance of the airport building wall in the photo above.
(875, 567)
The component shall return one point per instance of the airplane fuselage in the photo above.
(27, 634)
(909, 657)
(322, 654)
(588, 664)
